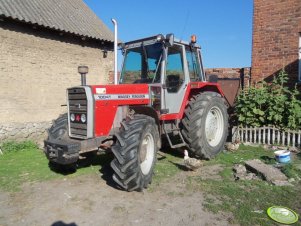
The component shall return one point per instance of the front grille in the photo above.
(77, 99)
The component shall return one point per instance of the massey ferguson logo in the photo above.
(120, 96)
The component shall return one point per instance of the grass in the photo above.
(167, 166)
(247, 200)
(24, 162)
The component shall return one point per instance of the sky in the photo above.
(223, 27)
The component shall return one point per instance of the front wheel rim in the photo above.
(147, 153)
(214, 126)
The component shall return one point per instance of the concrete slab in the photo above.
(268, 172)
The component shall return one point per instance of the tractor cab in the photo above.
(166, 64)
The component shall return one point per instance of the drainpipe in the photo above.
(115, 51)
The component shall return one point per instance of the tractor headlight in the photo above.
(72, 117)
(83, 118)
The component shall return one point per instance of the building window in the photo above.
(299, 78)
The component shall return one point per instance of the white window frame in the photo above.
(299, 69)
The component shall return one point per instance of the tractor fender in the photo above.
(200, 87)
(193, 89)
(123, 112)
(149, 111)
(146, 110)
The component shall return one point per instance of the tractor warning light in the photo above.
(193, 38)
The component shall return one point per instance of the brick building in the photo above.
(276, 39)
(41, 45)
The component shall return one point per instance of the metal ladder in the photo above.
(182, 143)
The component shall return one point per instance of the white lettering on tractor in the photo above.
(139, 96)
(124, 97)
(103, 97)
(120, 96)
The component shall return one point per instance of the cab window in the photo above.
(174, 69)
(195, 73)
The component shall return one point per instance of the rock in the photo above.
(242, 174)
(239, 169)
(281, 183)
(251, 176)
(294, 149)
(268, 172)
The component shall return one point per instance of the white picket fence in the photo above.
(267, 135)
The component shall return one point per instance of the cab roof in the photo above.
(154, 39)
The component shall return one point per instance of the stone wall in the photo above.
(24, 131)
(276, 31)
(36, 67)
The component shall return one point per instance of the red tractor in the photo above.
(162, 93)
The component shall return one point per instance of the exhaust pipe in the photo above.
(83, 70)
(115, 51)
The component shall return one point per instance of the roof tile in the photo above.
(71, 16)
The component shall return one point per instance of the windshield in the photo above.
(142, 64)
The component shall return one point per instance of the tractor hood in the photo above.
(107, 99)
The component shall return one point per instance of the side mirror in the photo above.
(169, 40)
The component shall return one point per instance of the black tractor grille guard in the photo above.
(77, 106)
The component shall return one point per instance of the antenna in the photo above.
(185, 23)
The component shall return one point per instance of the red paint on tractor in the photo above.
(105, 109)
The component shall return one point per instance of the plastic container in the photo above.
(283, 156)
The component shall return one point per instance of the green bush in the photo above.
(271, 104)
(12, 146)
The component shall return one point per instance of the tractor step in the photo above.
(182, 143)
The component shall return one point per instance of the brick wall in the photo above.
(37, 66)
(276, 27)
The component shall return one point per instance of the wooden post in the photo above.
(269, 135)
(273, 136)
(293, 139)
(241, 134)
(263, 140)
(233, 134)
(278, 136)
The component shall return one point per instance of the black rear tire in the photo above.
(199, 117)
(135, 153)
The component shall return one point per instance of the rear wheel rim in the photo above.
(214, 126)
(147, 153)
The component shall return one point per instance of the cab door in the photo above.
(174, 79)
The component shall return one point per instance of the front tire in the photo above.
(59, 128)
(59, 132)
(205, 124)
(135, 153)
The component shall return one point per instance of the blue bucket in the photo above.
(283, 156)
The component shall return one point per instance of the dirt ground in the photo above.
(93, 200)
